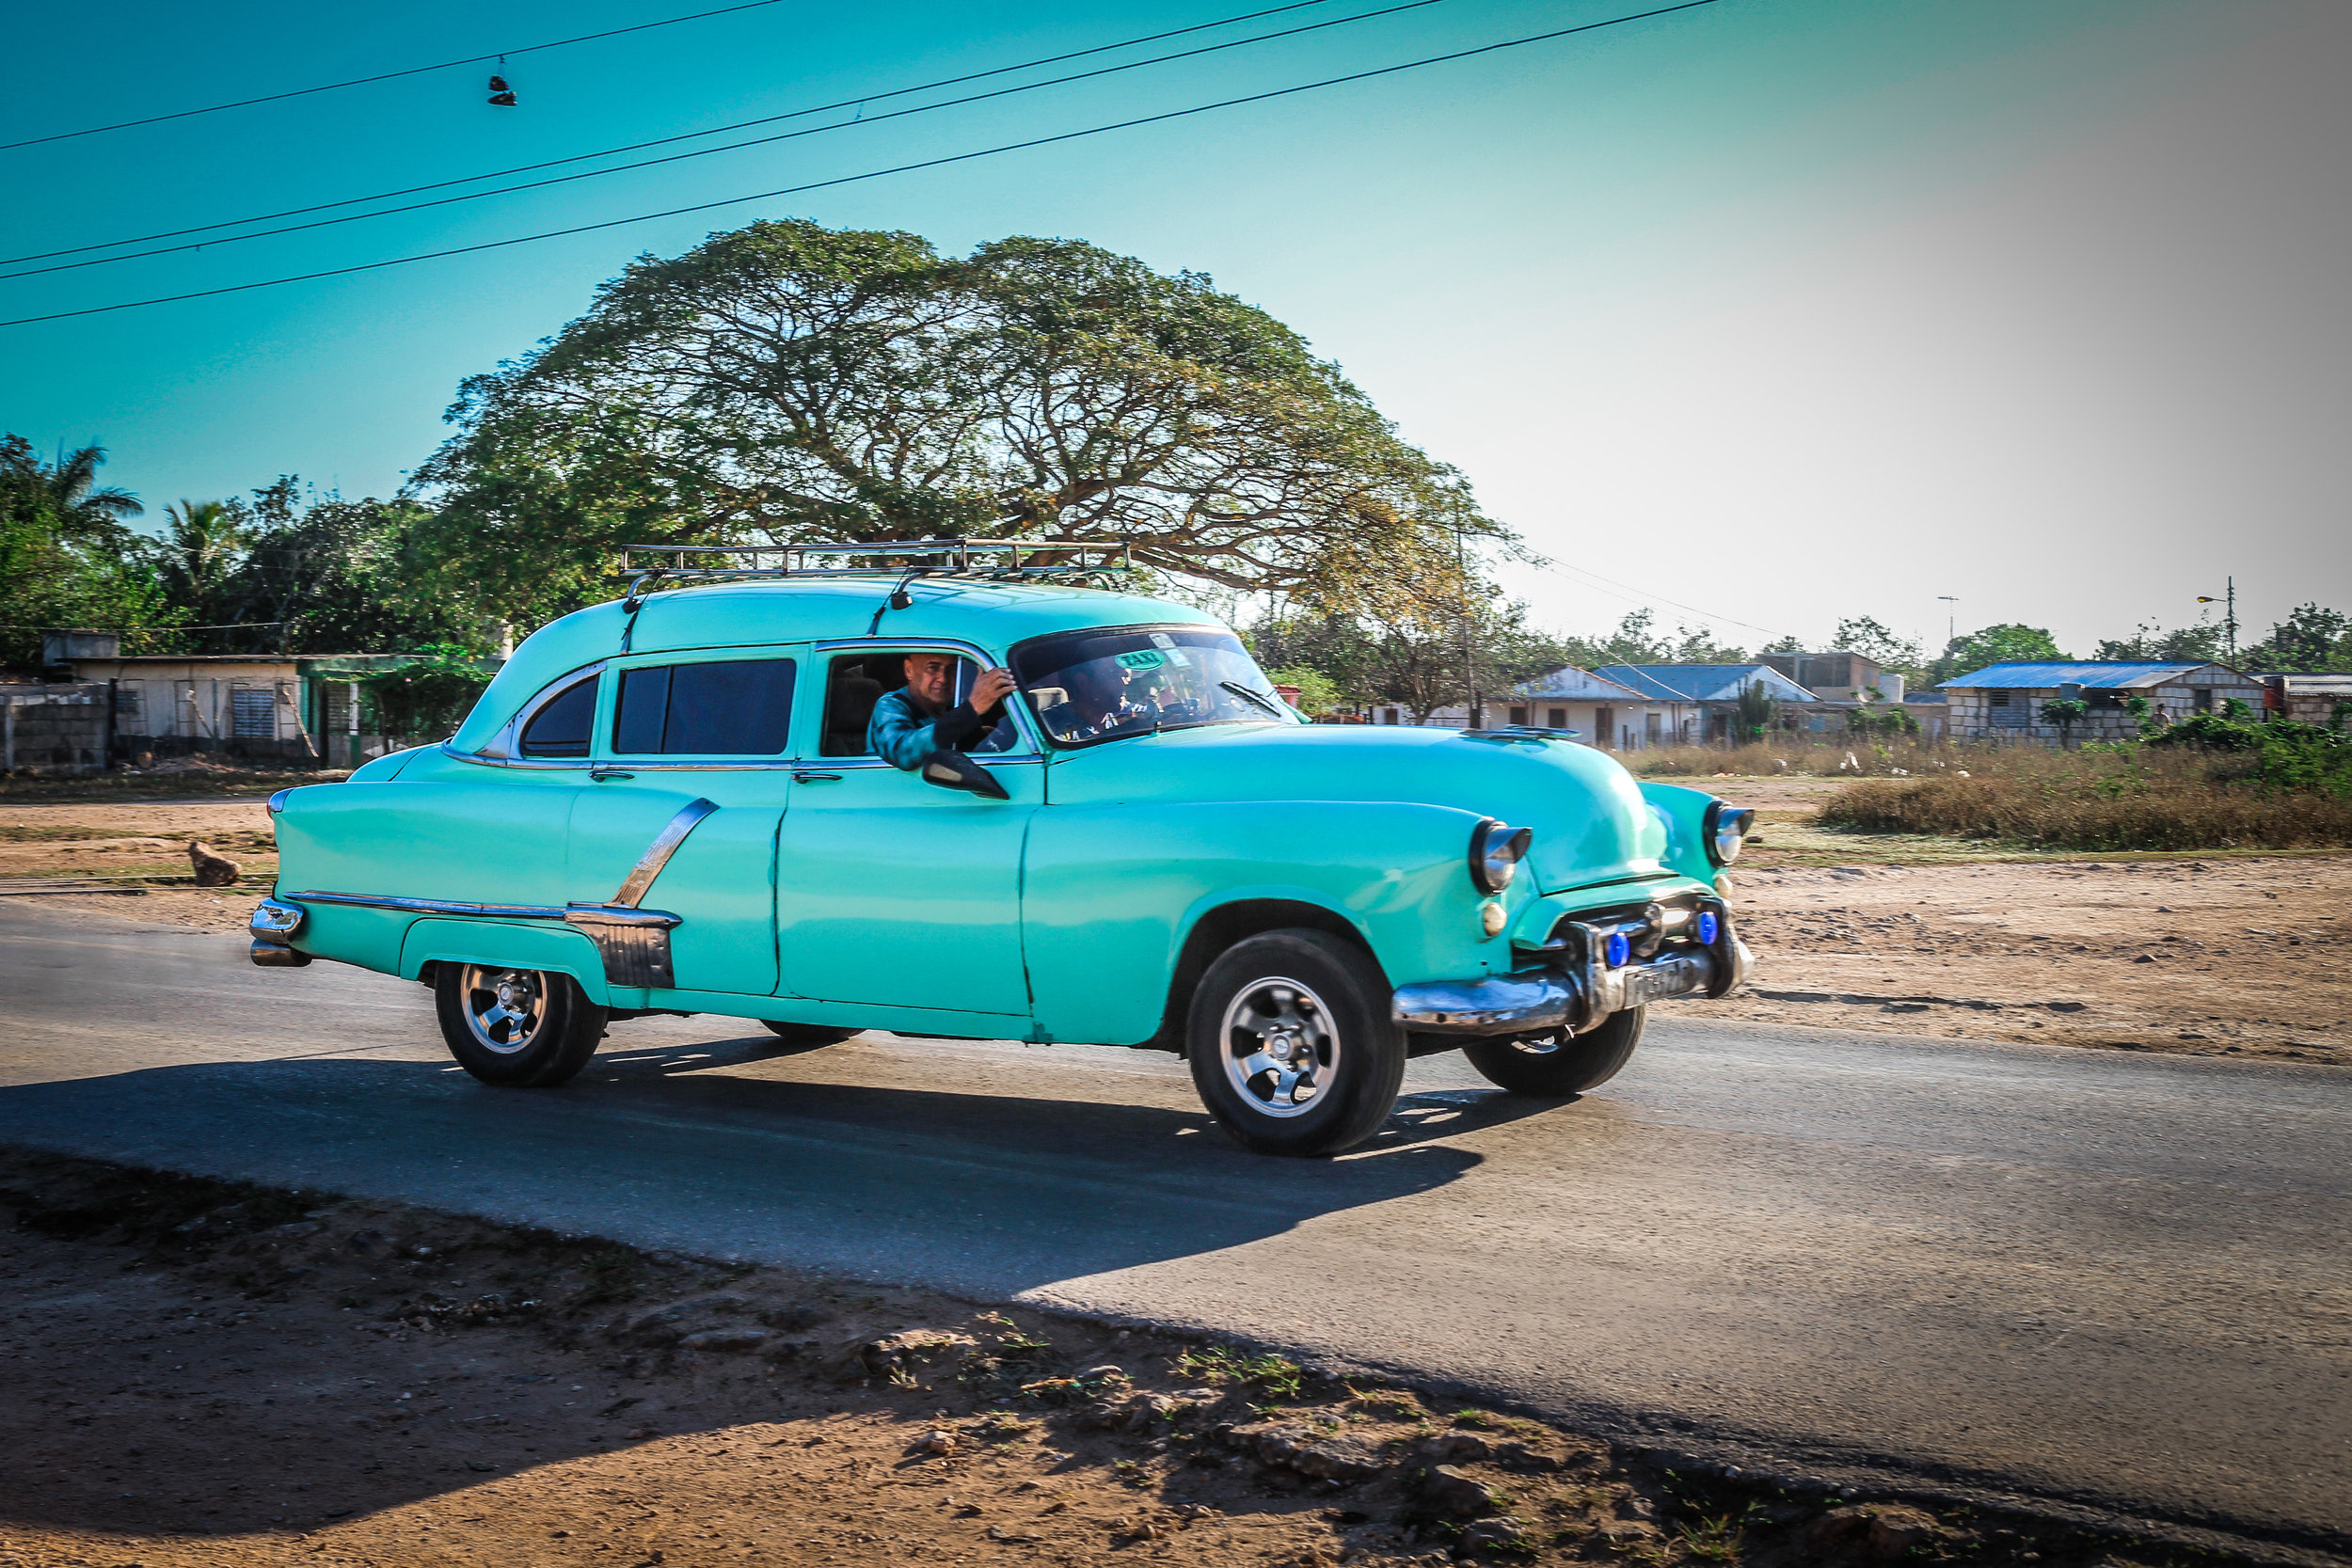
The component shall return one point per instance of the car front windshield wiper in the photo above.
(1264, 700)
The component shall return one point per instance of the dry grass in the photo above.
(2136, 799)
(1768, 758)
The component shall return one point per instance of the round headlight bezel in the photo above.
(1496, 849)
(1725, 830)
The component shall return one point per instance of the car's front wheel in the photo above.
(1560, 1064)
(1291, 1043)
(518, 1028)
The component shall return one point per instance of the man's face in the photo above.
(931, 677)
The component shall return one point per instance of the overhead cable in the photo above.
(870, 174)
(384, 76)
(729, 147)
(684, 135)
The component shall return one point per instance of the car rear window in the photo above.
(736, 708)
(560, 728)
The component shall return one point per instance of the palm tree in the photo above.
(200, 547)
(78, 509)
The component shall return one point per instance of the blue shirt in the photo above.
(902, 734)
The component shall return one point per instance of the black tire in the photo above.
(808, 1036)
(540, 1034)
(1337, 1011)
(1561, 1065)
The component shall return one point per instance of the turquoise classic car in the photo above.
(669, 805)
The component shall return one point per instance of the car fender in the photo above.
(558, 948)
(1112, 891)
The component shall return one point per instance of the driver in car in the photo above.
(1097, 703)
(919, 717)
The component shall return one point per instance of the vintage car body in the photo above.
(835, 893)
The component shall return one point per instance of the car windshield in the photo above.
(1090, 685)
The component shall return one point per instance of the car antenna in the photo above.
(900, 599)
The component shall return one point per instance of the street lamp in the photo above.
(2228, 619)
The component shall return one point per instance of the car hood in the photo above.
(1589, 819)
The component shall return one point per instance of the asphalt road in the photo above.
(2117, 1279)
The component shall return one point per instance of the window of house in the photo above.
(560, 728)
(253, 713)
(126, 702)
(2203, 699)
(2103, 702)
(1557, 719)
(1518, 716)
(732, 708)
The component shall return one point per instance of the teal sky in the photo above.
(1784, 309)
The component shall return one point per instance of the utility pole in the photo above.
(2228, 617)
(1951, 620)
(1470, 655)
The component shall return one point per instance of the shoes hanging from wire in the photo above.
(500, 94)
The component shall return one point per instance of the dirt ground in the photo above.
(43, 843)
(2232, 956)
(204, 1374)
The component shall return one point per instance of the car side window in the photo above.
(559, 729)
(855, 682)
(732, 708)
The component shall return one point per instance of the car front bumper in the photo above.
(1574, 987)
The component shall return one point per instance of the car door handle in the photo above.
(600, 774)
(800, 776)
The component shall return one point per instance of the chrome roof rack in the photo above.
(649, 566)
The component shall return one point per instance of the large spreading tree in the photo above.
(791, 383)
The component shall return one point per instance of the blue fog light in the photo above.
(1617, 950)
(1707, 928)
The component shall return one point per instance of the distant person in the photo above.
(921, 717)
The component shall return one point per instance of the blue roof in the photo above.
(2103, 673)
(1703, 683)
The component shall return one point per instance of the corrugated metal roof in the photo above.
(1578, 686)
(2089, 673)
(1703, 683)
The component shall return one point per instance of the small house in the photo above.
(1701, 701)
(2007, 699)
(1600, 712)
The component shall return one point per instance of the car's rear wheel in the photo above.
(808, 1036)
(1291, 1043)
(518, 1028)
(1559, 1065)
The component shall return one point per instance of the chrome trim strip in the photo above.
(432, 906)
(1497, 1004)
(621, 915)
(658, 853)
(483, 760)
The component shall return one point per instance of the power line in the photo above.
(664, 141)
(1644, 596)
(730, 147)
(385, 76)
(871, 174)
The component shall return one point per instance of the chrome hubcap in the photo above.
(504, 1007)
(1281, 1047)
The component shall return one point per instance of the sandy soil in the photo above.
(119, 838)
(198, 1374)
(2218, 956)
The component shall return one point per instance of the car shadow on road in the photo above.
(663, 1145)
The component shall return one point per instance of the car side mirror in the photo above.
(954, 771)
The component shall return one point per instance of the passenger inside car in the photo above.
(923, 715)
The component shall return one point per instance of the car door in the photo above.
(691, 778)
(889, 890)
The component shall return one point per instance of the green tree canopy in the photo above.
(2011, 642)
(2152, 643)
(791, 382)
(2310, 639)
(1864, 635)
(66, 557)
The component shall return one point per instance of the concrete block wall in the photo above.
(54, 729)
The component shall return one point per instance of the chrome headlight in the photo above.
(1496, 849)
(1728, 829)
